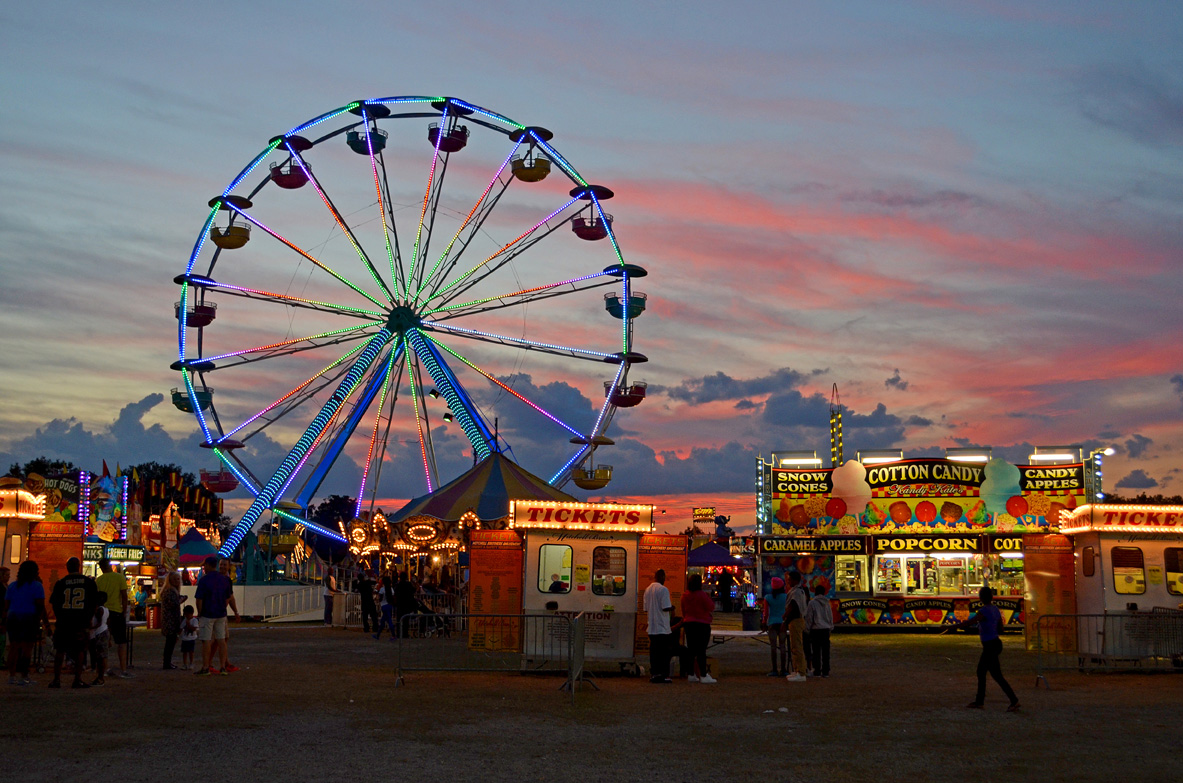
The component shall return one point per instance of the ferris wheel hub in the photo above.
(402, 318)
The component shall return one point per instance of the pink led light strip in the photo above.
(418, 419)
(535, 289)
(286, 342)
(374, 437)
(439, 137)
(381, 205)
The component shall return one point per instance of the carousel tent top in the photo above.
(486, 489)
(193, 548)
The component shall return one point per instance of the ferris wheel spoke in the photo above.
(503, 250)
(394, 274)
(390, 365)
(420, 409)
(521, 342)
(303, 253)
(495, 381)
(334, 442)
(328, 202)
(475, 427)
(467, 220)
(439, 138)
(525, 296)
(400, 281)
(286, 300)
(599, 428)
(397, 369)
(270, 491)
(278, 349)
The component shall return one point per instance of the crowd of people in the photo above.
(388, 600)
(90, 617)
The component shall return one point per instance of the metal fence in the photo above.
(298, 601)
(1123, 641)
(492, 643)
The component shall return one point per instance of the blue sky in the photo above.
(967, 215)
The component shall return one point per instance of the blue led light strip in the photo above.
(322, 118)
(578, 456)
(487, 113)
(474, 427)
(268, 495)
(251, 166)
(314, 527)
(607, 227)
(557, 158)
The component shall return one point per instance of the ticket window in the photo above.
(1129, 570)
(609, 570)
(554, 568)
(1174, 567)
(850, 573)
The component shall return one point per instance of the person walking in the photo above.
(330, 590)
(170, 616)
(698, 608)
(24, 609)
(794, 619)
(724, 582)
(989, 622)
(213, 595)
(114, 584)
(658, 606)
(73, 599)
(386, 597)
(224, 568)
(773, 621)
(405, 602)
(365, 587)
(819, 622)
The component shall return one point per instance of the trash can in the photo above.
(153, 616)
(751, 619)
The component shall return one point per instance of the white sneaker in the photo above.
(795, 678)
(692, 678)
(708, 679)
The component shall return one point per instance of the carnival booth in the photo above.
(909, 542)
(568, 559)
(1128, 558)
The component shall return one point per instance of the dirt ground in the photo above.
(315, 703)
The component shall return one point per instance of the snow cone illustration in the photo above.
(1000, 485)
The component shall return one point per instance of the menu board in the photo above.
(656, 551)
(495, 588)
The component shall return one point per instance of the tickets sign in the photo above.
(581, 516)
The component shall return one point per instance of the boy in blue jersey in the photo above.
(989, 622)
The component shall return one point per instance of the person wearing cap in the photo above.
(772, 620)
(114, 584)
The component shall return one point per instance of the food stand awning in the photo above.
(194, 548)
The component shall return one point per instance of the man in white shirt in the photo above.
(658, 606)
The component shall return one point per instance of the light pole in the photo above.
(1093, 475)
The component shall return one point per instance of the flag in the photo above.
(106, 472)
(118, 470)
(135, 475)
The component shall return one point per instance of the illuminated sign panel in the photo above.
(580, 516)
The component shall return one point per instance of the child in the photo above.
(188, 638)
(100, 639)
(819, 621)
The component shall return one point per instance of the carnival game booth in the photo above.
(909, 542)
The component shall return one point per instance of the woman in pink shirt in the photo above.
(698, 608)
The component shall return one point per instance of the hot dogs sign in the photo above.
(921, 496)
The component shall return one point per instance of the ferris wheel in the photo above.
(391, 278)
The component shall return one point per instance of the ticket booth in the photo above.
(1128, 558)
(582, 558)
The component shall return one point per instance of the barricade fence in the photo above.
(297, 601)
(1122, 641)
(492, 643)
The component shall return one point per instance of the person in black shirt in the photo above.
(405, 602)
(73, 599)
(369, 609)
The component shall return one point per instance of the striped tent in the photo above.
(486, 489)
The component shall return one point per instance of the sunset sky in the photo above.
(967, 215)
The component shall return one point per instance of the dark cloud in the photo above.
(1028, 415)
(639, 470)
(911, 198)
(1132, 99)
(792, 409)
(895, 382)
(1137, 479)
(721, 386)
(746, 405)
(918, 421)
(875, 430)
(1177, 382)
(1137, 444)
(1109, 435)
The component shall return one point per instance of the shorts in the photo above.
(118, 627)
(69, 639)
(211, 628)
(99, 645)
(188, 645)
(23, 630)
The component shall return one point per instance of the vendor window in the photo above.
(608, 570)
(1174, 563)
(554, 568)
(929, 574)
(850, 573)
(15, 552)
(1005, 573)
(1088, 557)
(1129, 570)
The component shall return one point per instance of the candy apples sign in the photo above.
(581, 516)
